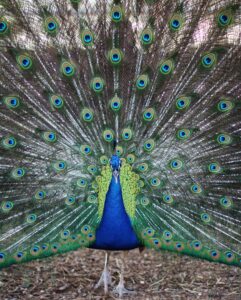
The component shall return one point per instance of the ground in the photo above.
(153, 275)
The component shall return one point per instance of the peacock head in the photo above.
(115, 162)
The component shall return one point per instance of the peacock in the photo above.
(120, 128)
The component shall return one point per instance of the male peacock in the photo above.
(120, 128)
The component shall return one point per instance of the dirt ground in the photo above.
(152, 275)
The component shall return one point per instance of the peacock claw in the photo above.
(120, 290)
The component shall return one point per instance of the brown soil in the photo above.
(153, 276)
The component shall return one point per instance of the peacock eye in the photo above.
(9, 142)
(35, 250)
(56, 101)
(127, 134)
(24, 61)
(92, 169)
(197, 245)
(11, 102)
(205, 218)
(144, 201)
(115, 104)
(119, 151)
(176, 22)
(224, 139)
(85, 229)
(142, 82)
(214, 168)
(85, 149)
(19, 256)
(149, 145)
(68, 69)
(209, 60)
(149, 115)
(108, 135)
(179, 246)
(229, 256)
(115, 56)
(18, 173)
(104, 160)
(92, 199)
(167, 198)
(183, 103)
(40, 195)
(87, 38)
(224, 18)
(143, 167)
(225, 106)
(97, 84)
(166, 67)
(59, 166)
(31, 218)
(183, 134)
(226, 202)
(7, 206)
(176, 164)
(82, 183)
(55, 247)
(49, 137)
(167, 235)
(51, 26)
(130, 158)
(2, 257)
(44, 247)
(3, 27)
(117, 14)
(147, 37)
(87, 115)
(64, 234)
(196, 189)
(155, 182)
(70, 200)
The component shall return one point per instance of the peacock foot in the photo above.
(120, 290)
(105, 280)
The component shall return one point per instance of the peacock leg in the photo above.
(105, 278)
(120, 288)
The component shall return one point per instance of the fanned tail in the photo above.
(156, 81)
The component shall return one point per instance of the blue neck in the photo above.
(115, 231)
